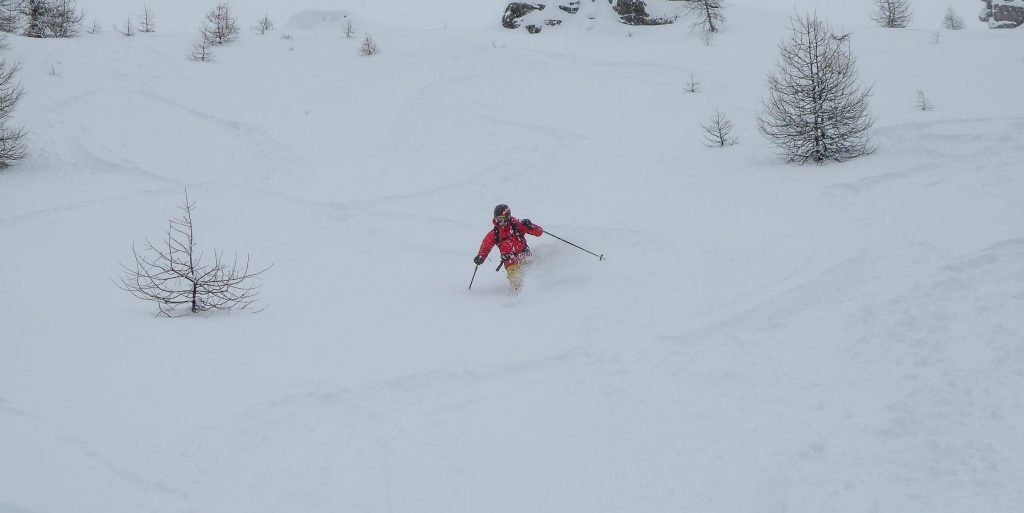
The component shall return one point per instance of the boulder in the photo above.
(516, 10)
(1002, 13)
(572, 7)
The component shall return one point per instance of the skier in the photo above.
(509, 235)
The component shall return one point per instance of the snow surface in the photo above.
(761, 338)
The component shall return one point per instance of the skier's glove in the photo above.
(478, 260)
(528, 224)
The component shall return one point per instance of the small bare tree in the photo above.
(263, 25)
(128, 30)
(708, 14)
(12, 145)
(692, 85)
(220, 26)
(952, 21)
(349, 31)
(202, 51)
(94, 29)
(368, 47)
(923, 103)
(174, 275)
(147, 25)
(718, 133)
(892, 13)
(815, 109)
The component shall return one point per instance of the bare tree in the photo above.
(128, 30)
(719, 131)
(692, 85)
(202, 51)
(708, 14)
(64, 19)
(892, 13)
(349, 31)
(147, 25)
(923, 103)
(12, 145)
(263, 25)
(94, 29)
(220, 26)
(815, 109)
(951, 21)
(368, 47)
(174, 275)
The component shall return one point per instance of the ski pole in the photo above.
(473, 278)
(599, 257)
(496, 269)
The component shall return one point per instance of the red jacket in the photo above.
(511, 240)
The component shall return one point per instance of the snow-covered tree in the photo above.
(892, 13)
(368, 47)
(35, 12)
(10, 16)
(952, 21)
(815, 109)
(220, 25)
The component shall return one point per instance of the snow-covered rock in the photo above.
(1003, 13)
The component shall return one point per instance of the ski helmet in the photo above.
(502, 211)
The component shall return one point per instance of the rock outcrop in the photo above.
(1003, 13)
(532, 16)
(516, 10)
(634, 12)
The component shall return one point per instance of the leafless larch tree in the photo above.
(815, 109)
(202, 51)
(263, 25)
(951, 21)
(146, 24)
(707, 13)
(368, 47)
(923, 103)
(692, 85)
(718, 132)
(220, 25)
(128, 30)
(173, 275)
(12, 145)
(892, 13)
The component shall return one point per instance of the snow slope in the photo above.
(761, 337)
